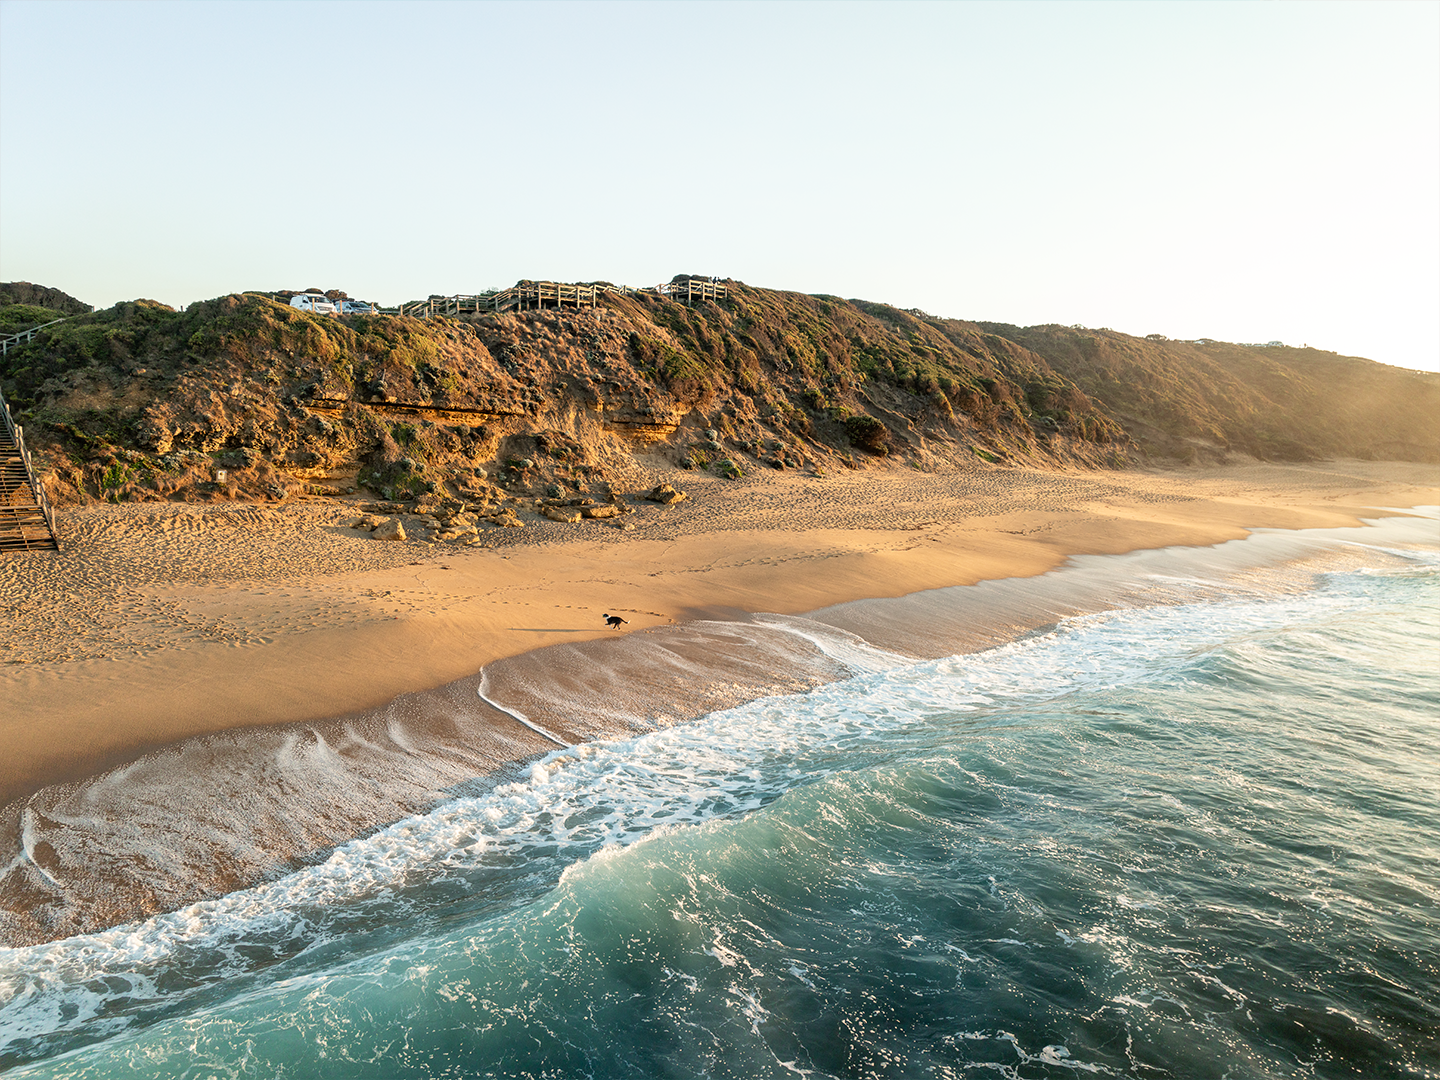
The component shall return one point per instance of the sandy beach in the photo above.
(203, 697)
(161, 622)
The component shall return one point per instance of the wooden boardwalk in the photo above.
(692, 289)
(26, 522)
(539, 295)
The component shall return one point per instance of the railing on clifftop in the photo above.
(692, 289)
(535, 295)
(9, 341)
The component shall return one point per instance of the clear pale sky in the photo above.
(1242, 171)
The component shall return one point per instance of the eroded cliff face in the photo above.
(246, 397)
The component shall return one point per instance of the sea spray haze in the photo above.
(1188, 839)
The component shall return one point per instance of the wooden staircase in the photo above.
(26, 522)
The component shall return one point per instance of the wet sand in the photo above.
(200, 698)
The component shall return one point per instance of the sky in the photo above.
(1240, 171)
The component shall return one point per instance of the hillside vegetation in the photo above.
(245, 396)
(1194, 400)
(41, 296)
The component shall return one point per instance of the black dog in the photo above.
(614, 621)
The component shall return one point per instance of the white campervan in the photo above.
(313, 302)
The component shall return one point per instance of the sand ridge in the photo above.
(159, 621)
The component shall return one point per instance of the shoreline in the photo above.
(229, 807)
(273, 638)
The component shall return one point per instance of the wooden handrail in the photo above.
(26, 335)
(17, 435)
(537, 292)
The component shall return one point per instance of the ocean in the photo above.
(1195, 834)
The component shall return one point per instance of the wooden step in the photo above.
(26, 521)
(23, 528)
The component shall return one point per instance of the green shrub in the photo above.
(868, 433)
(112, 480)
(17, 317)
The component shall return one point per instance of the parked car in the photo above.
(313, 302)
(356, 307)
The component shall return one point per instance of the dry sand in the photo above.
(159, 622)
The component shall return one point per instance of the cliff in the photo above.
(246, 397)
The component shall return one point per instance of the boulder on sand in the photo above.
(365, 522)
(664, 493)
(454, 535)
(389, 529)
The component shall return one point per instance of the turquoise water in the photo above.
(1190, 840)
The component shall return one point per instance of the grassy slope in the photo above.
(841, 356)
(1190, 400)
